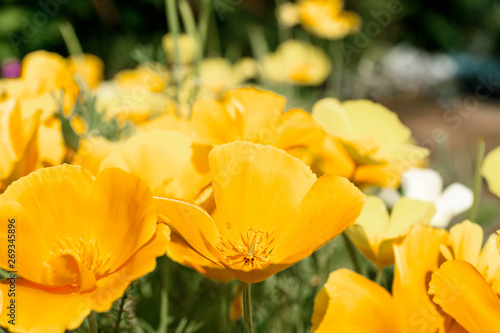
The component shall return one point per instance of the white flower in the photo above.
(427, 185)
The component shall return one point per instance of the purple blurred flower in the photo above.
(11, 68)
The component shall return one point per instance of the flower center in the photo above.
(253, 250)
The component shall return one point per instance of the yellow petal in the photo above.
(488, 264)
(407, 212)
(350, 302)
(34, 309)
(190, 224)
(88, 68)
(330, 206)
(164, 159)
(258, 109)
(256, 187)
(51, 142)
(466, 239)
(92, 152)
(295, 128)
(489, 171)
(123, 215)
(212, 124)
(414, 264)
(111, 287)
(463, 293)
(181, 253)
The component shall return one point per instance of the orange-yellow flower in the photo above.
(350, 302)
(380, 146)
(271, 211)
(79, 242)
(375, 231)
(327, 19)
(297, 62)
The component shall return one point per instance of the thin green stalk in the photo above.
(335, 81)
(351, 250)
(192, 30)
(120, 312)
(174, 27)
(478, 182)
(247, 306)
(70, 38)
(205, 11)
(380, 276)
(165, 268)
(92, 322)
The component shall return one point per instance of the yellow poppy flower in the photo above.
(297, 62)
(187, 48)
(465, 243)
(46, 73)
(92, 152)
(463, 293)
(173, 166)
(375, 231)
(288, 14)
(350, 302)
(18, 143)
(88, 68)
(326, 19)
(266, 201)
(216, 76)
(79, 241)
(489, 171)
(378, 143)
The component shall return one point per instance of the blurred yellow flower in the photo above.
(460, 290)
(375, 232)
(88, 68)
(80, 242)
(288, 14)
(272, 211)
(18, 143)
(151, 77)
(490, 171)
(380, 146)
(297, 62)
(187, 48)
(327, 19)
(350, 302)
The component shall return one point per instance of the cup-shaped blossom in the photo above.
(375, 231)
(272, 211)
(297, 62)
(380, 146)
(79, 242)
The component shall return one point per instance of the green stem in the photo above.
(335, 81)
(380, 275)
(247, 306)
(477, 181)
(174, 27)
(120, 313)
(165, 268)
(206, 9)
(70, 38)
(192, 30)
(351, 250)
(92, 322)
